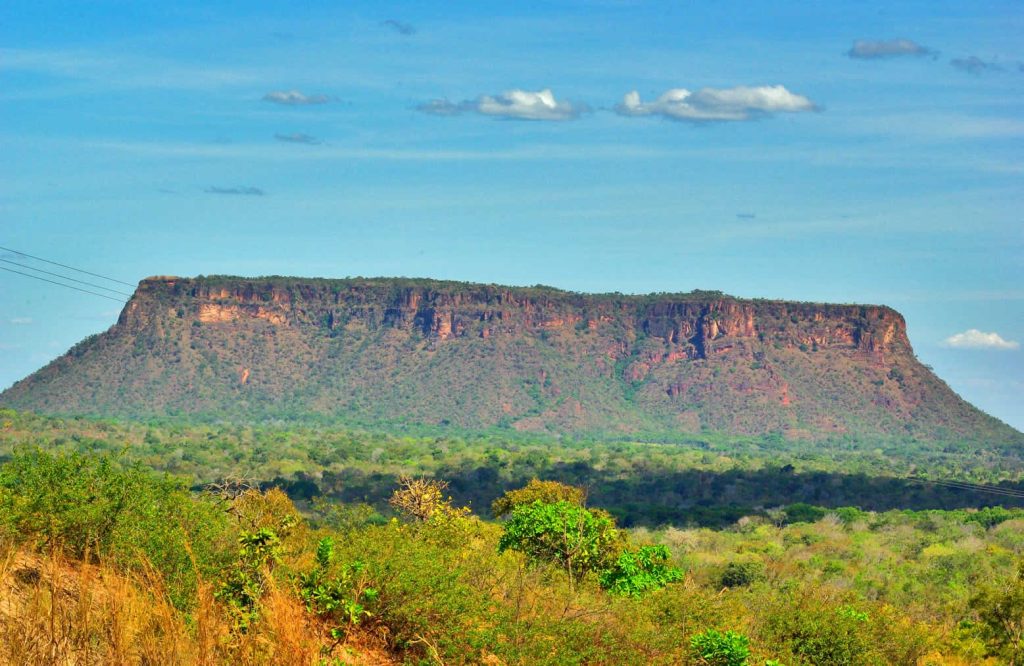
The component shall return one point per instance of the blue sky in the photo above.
(849, 152)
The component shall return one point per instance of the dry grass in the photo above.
(57, 612)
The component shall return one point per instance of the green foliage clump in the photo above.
(639, 571)
(1000, 609)
(547, 492)
(344, 517)
(990, 516)
(840, 636)
(574, 538)
(743, 573)
(340, 597)
(245, 583)
(716, 648)
(804, 513)
(94, 507)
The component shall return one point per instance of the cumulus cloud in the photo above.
(717, 104)
(513, 104)
(294, 98)
(404, 29)
(975, 339)
(975, 65)
(21, 321)
(243, 191)
(866, 49)
(298, 137)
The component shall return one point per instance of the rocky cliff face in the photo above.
(482, 356)
(689, 324)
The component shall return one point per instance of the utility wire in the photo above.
(64, 277)
(963, 485)
(989, 491)
(61, 284)
(973, 486)
(79, 270)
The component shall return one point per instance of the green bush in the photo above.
(1000, 609)
(715, 648)
(339, 596)
(804, 513)
(840, 636)
(245, 583)
(576, 539)
(637, 572)
(92, 507)
(427, 592)
(743, 573)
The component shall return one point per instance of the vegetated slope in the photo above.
(391, 351)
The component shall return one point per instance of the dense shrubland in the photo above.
(711, 480)
(104, 561)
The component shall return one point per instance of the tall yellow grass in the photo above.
(58, 612)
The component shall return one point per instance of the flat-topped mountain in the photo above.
(405, 351)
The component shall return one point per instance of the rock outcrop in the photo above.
(484, 356)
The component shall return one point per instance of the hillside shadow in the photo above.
(688, 497)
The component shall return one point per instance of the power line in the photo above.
(79, 270)
(973, 487)
(962, 485)
(61, 284)
(989, 491)
(64, 277)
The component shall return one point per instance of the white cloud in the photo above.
(21, 321)
(975, 339)
(866, 49)
(717, 104)
(513, 104)
(294, 98)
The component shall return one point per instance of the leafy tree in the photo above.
(637, 572)
(576, 539)
(547, 492)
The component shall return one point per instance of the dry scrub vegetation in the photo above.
(104, 563)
